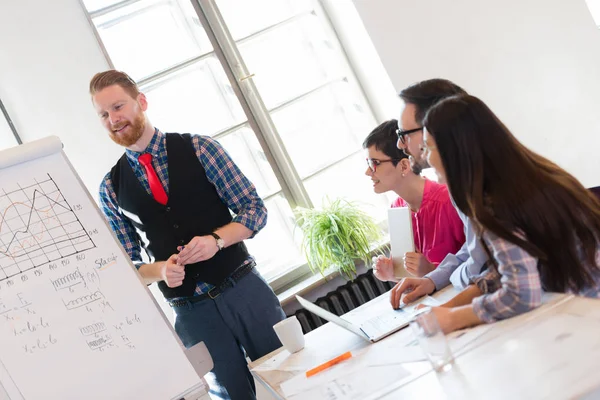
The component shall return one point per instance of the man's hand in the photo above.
(200, 248)
(410, 289)
(383, 269)
(172, 273)
(416, 264)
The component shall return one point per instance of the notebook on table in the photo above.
(378, 327)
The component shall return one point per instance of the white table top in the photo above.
(325, 343)
(554, 355)
(507, 359)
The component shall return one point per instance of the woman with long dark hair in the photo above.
(538, 224)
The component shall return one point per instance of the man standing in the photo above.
(171, 195)
(470, 260)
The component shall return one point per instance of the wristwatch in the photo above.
(220, 242)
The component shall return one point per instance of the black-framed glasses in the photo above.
(401, 134)
(373, 163)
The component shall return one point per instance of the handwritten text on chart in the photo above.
(75, 282)
(105, 262)
(68, 281)
(93, 329)
(40, 344)
(83, 300)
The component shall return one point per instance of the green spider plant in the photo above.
(337, 235)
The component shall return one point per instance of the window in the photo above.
(7, 136)
(277, 92)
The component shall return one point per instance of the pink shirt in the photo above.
(437, 228)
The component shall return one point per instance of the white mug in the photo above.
(289, 332)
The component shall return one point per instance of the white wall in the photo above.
(48, 54)
(536, 63)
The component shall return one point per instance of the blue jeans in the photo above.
(240, 319)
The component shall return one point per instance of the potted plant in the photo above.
(336, 235)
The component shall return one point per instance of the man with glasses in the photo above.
(471, 259)
(418, 99)
(437, 229)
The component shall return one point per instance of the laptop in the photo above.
(377, 327)
(401, 238)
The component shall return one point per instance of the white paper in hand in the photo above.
(401, 238)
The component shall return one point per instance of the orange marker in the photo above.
(328, 364)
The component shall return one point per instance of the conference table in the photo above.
(552, 352)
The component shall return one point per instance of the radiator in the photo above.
(347, 297)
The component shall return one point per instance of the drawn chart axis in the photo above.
(37, 226)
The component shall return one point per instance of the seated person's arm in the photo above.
(463, 298)
(441, 275)
(475, 261)
(514, 289)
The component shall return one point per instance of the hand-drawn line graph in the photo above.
(37, 226)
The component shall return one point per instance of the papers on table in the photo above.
(344, 382)
(373, 369)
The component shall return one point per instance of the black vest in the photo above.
(194, 208)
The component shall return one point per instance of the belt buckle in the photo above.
(210, 293)
(176, 303)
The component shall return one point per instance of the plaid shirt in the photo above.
(515, 287)
(236, 191)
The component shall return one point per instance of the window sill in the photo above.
(306, 284)
(309, 281)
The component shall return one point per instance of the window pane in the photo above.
(244, 149)
(197, 99)
(301, 74)
(149, 36)
(7, 139)
(274, 247)
(94, 5)
(292, 59)
(328, 124)
(247, 17)
(347, 179)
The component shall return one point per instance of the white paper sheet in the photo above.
(356, 383)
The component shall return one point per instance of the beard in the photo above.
(417, 165)
(136, 130)
(417, 168)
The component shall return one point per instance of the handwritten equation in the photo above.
(74, 285)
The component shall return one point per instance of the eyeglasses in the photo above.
(373, 163)
(402, 133)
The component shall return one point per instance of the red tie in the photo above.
(155, 186)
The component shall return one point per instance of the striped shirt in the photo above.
(234, 189)
(515, 287)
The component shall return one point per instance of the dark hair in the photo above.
(520, 196)
(384, 138)
(425, 94)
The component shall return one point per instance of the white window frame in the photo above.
(258, 116)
